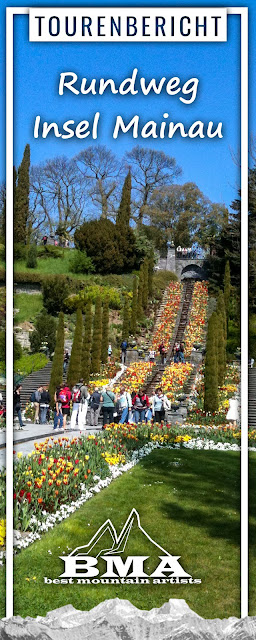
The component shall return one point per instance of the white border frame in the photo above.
(10, 13)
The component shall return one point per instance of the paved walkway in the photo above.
(24, 440)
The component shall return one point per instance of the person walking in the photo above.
(58, 416)
(125, 405)
(181, 352)
(44, 404)
(140, 405)
(65, 360)
(64, 398)
(35, 398)
(80, 397)
(17, 404)
(108, 400)
(160, 404)
(94, 407)
(152, 355)
(123, 347)
(176, 351)
(162, 352)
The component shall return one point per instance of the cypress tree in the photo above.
(74, 369)
(145, 284)
(151, 264)
(140, 295)
(221, 353)
(227, 289)
(97, 337)
(105, 331)
(134, 307)
(124, 211)
(126, 320)
(87, 343)
(221, 310)
(211, 396)
(57, 363)
(21, 209)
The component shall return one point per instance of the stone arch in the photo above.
(192, 271)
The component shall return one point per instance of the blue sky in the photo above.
(209, 163)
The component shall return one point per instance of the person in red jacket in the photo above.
(65, 397)
(140, 405)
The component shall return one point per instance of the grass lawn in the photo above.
(252, 534)
(50, 266)
(189, 503)
(29, 306)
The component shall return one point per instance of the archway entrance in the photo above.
(193, 272)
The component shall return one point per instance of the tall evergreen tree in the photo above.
(227, 289)
(145, 284)
(57, 363)
(221, 351)
(221, 309)
(21, 209)
(151, 264)
(97, 337)
(140, 294)
(211, 396)
(74, 369)
(124, 211)
(126, 320)
(105, 331)
(87, 343)
(134, 307)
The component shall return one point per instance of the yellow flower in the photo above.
(19, 454)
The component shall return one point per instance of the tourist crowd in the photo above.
(121, 407)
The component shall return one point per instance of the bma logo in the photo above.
(108, 558)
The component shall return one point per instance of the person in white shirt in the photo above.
(152, 355)
(125, 404)
(160, 404)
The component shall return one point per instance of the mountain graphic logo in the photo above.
(119, 543)
(130, 555)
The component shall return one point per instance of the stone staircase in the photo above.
(183, 316)
(31, 382)
(252, 398)
(178, 335)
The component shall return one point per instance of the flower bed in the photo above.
(174, 378)
(167, 322)
(195, 330)
(59, 471)
(135, 376)
(197, 415)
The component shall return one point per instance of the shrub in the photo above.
(29, 363)
(91, 293)
(81, 263)
(32, 257)
(17, 349)
(117, 247)
(55, 289)
(161, 279)
(50, 251)
(44, 333)
(19, 251)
